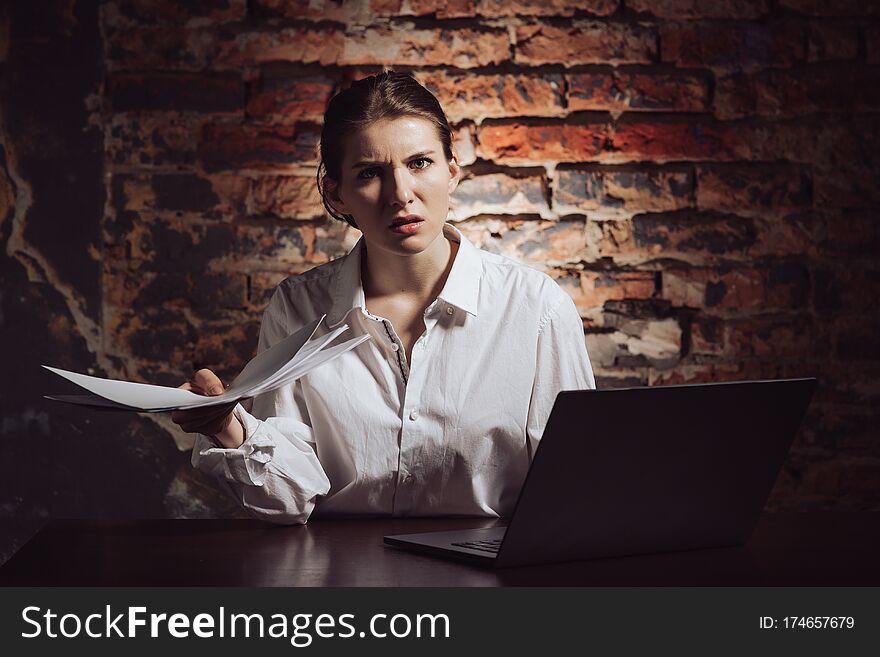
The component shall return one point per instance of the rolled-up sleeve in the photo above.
(275, 474)
(562, 363)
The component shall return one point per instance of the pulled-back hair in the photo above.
(387, 95)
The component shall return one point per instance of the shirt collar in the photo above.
(461, 290)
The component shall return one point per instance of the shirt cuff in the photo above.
(248, 464)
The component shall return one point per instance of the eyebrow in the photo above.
(366, 163)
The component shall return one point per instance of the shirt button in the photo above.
(394, 346)
(449, 310)
(414, 414)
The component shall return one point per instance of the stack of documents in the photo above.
(293, 357)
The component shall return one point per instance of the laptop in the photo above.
(641, 470)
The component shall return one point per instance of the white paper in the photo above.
(293, 357)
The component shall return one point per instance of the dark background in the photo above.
(701, 177)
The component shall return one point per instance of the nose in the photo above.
(400, 185)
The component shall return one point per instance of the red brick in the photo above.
(604, 353)
(225, 345)
(830, 41)
(621, 377)
(7, 196)
(622, 191)
(4, 40)
(225, 147)
(585, 42)
(288, 96)
(142, 290)
(747, 189)
(853, 188)
(439, 8)
(463, 140)
(405, 44)
(846, 233)
(748, 46)
(855, 338)
(617, 90)
(286, 197)
(498, 193)
(591, 289)
(853, 432)
(713, 373)
(686, 232)
(792, 141)
(861, 478)
(306, 45)
(176, 92)
(708, 337)
(154, 334)
(734, 97)
(845, 290)
(781, 234)
(173, 12)
(818, 89)
(851, 429)
(822, 479)
(833, 7)
(782, 285)
(498, 8)
(654, 342)
(342, 12)
(478, 96)
(172, 244)
(539, 142)
(846, 383)
(684, 235)
(218, 196)
(535, 242)
(611, 239)
(679, 140)
(690, 9)
(153, 139)
(164, 48)
(872, 43)
(782, 336)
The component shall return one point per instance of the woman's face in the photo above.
(395, 171)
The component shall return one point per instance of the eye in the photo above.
(364, 174)
(427, 161)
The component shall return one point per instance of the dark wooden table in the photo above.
(786, 549)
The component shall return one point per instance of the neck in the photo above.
(420, 276)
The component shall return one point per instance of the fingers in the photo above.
(209, 382)
(211, 420)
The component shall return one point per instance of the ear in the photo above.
(454, 173)
(333, 197)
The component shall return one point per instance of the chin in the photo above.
(411, 244)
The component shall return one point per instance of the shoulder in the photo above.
(313, 279)
(299, 298)
(504, 275)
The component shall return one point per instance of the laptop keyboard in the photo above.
(490, 545)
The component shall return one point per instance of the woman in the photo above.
(440, 411)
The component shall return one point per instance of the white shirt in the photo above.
(451, 433)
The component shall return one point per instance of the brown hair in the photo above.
(387, 95)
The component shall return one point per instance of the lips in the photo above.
(408, 219)
(411, 224)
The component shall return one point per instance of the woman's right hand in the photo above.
(216, 421)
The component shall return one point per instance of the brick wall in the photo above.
(700, 176)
